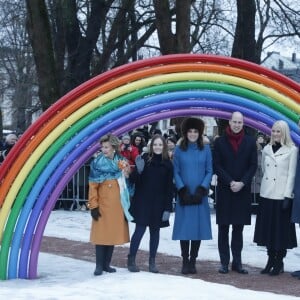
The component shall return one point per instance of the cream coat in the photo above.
(279, 171)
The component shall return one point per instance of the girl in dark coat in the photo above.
(152, 200)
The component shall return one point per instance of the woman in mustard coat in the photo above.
(108, 202)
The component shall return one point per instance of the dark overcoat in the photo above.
(296, 200)
(234, 208)
(153, 192)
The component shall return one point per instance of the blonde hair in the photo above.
(113, 140)
(285, 133)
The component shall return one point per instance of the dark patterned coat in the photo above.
(153, 192)
(234, 208)
(296, 201)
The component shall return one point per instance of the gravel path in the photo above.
(167, 264)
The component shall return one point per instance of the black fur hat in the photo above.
(192, 123)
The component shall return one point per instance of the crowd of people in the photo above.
(162, 167)
(7, 144)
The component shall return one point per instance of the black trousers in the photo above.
(236, 244)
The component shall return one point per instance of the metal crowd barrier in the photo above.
(75, 194)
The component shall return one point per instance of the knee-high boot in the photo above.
(108, 251)
(152, 265)
(184, 245)
(195, 245)
(270, 262)
(278, 263)
(99, 259)
(131, 265)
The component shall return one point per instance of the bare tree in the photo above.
(163, 13)
(279, 23)
(40, 37)
(244, 38)
(17, 65)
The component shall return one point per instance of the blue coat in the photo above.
(192, 168)
(296, 201)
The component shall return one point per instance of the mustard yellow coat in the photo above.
(112, 227)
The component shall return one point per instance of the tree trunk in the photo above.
(40, 38)
(80, 48)
(183, 24)
(163, 20)
(1, 127)
(169, 42)
(244, 39)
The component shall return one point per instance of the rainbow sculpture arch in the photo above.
(52, 150)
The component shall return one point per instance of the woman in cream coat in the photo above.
(273, 228)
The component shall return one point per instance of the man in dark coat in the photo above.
(235, 163)
(296, 201)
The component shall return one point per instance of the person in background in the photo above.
(171, 142)
(235, 163)
(10, 141)
(108, 202)
(206, 139)
(130, 152)
(192, 173)
(138, 140)
(151, 204)
(296, 201)
(273, 228)
(255, 186)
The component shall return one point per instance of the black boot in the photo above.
(131, 266)
(270, 262)
(108, 251)
(99, 260)
(185, 245)
(195, 245)
(278, 263)
(185, 266)
(192, 265)
(152, 265)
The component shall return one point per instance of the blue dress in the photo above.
(192, 168)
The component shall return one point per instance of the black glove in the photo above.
(140, 164)
(199, 194)
(95, 213)
(184, 196)
(165, 216)
(286, 203)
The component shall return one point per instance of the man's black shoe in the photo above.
(239, 269)
(296, 274)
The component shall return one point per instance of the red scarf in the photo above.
(235, 139)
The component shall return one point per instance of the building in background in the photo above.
(288, 66)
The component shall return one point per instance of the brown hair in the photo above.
(165, 155)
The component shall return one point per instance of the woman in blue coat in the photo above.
(192, 172)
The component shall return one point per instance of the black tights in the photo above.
(137, 237)
(186, 251)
